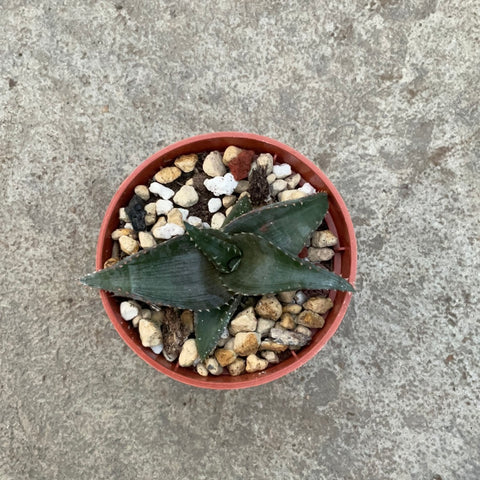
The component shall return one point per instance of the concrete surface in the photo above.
(382, 95)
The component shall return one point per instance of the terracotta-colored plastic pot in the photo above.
(337, 218)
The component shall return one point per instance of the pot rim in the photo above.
(224, 382)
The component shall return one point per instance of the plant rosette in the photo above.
(226, 260)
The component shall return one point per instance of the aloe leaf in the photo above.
(286, 224)
(242, 206)
(267, 269)
(209, 326)
(173, 273)
(224, 255)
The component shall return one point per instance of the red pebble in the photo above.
(240, 165)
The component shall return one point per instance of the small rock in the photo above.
(225, 357)
(228, 200)
(242, 186)
(237, 367)
(228, 210)
(128, 245)
(128, 310)
(146, 313)
(270, 357)
(146, 240)
(186, 197)
(142, 192)
(300, 298)
(202, 370)
(157, 349)
(213, 366)
(161, 190)
(120, 232)
(110, 262)
(245, 321)
(310, 319)
(318, 304)
(271, 178)
(188, 354)
(217, 220)
(150, 208)
(184, 213)
(292, 308)
(190, 182)
(286, 297)
(221, 185)
(159, 223)
(122, 215)
(264, 326)
(163, 206)
(213, 165)
(128, 226)
(293, 180)
(265, 160)
(269, 307)
(214, 205)
(175, 216)
(303, 330)
(272, 345)
(230, 153)
(186, 318)
(170, 356)
(150, 333)
(167, 175)
(195, 221)
(283, 170)
(291, 195)
(229, 343)
(167, 231)
(278, 186)
(240, 165)
(320, 254)
(186, 163)
(324, 238)
(255, 364)
(287, 321)
(289, 338)
(307, 188)
(246, 343)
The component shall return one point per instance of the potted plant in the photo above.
(215, 272)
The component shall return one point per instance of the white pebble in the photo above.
(184, 213)
(221, 185)
(217, 220)
(163, 206)
(128, 310)
(161, 190)
(128, 226)
(157, 349)
(167, 231)
(283, 170)
(195, 221)
(206, 225)
(308, 189)
(271, 178)
(122, 215)
(214, 205)
(278, 186)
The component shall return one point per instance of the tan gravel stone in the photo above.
(255, 364)
(128, 245)
(167, 175)
(186, 163)
(246, 343)
(310, 319)
(318, 304)
(324, 238)
(269, 307)
(237, 367)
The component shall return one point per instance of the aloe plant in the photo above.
(208, 271)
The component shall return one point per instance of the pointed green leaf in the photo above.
(215, 245)
(242, 206)
(265, 268)
(172, 273)
(286, 224)
(209, 326)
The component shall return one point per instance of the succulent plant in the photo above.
(209, 271)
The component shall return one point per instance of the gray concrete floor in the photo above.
(382, 95)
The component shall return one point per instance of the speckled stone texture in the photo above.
(382, 95)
